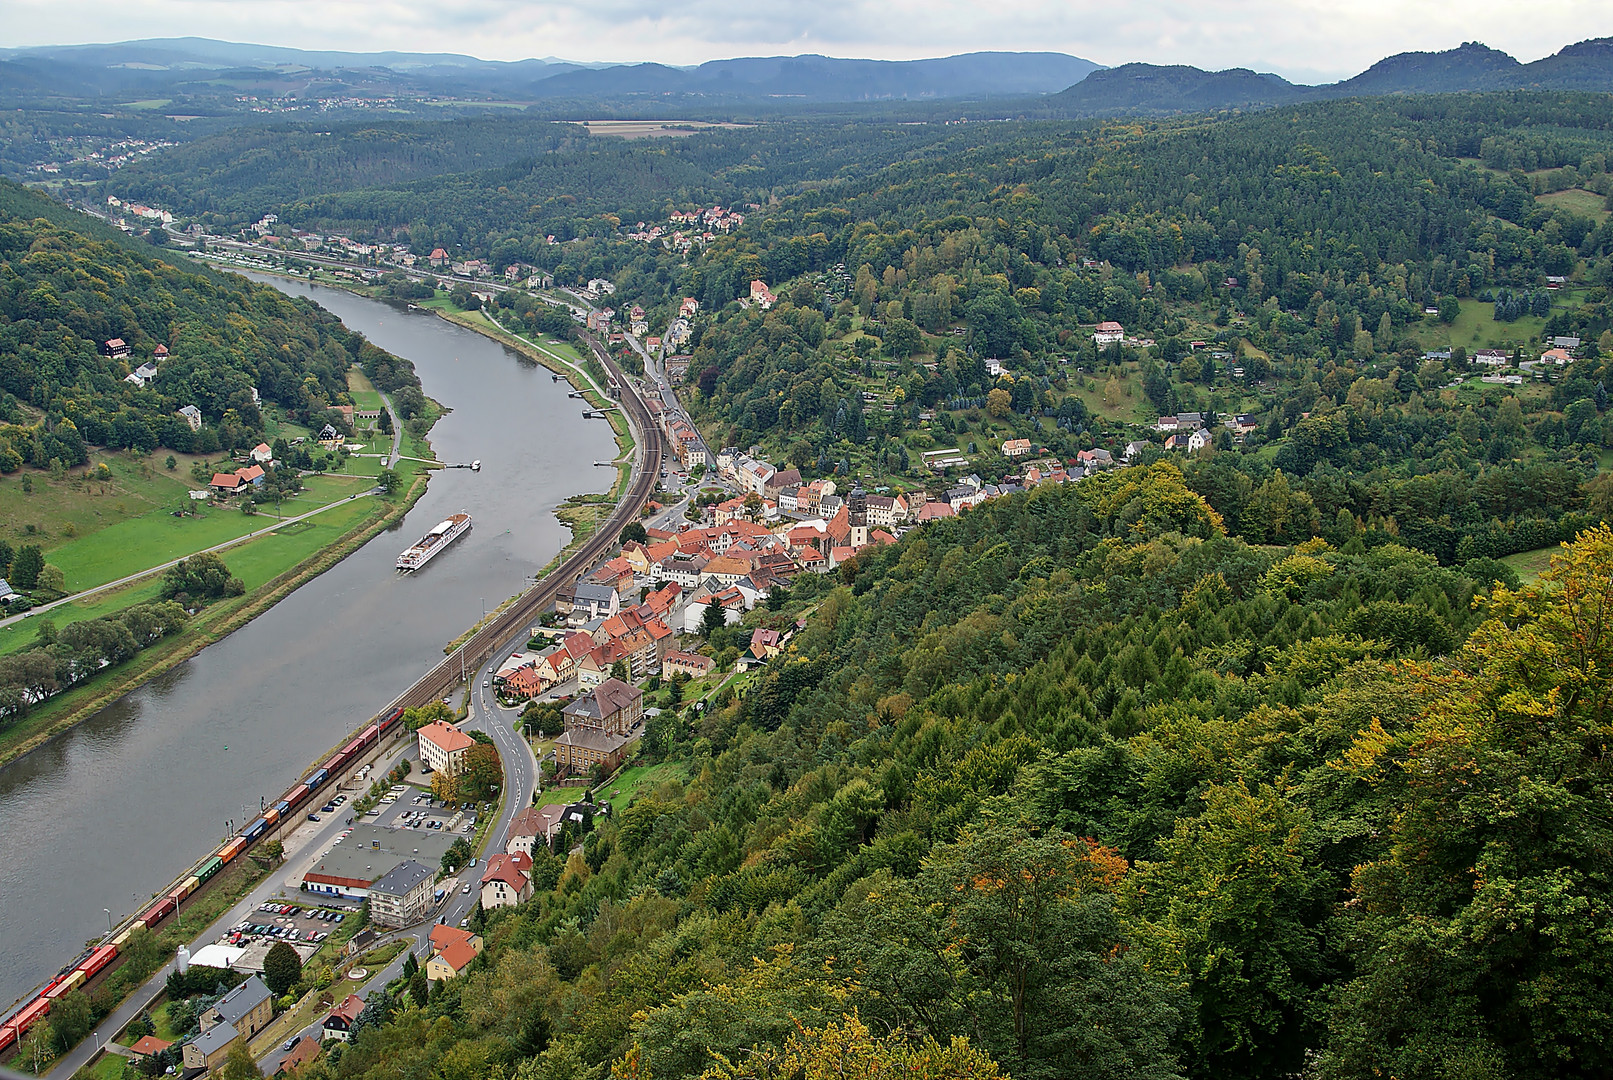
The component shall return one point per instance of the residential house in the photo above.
(1559, 357)
(142, 375)
(1198, 440)
(225, 483)
(249, 1008)
(451, 949)
(587, 601)
(731, 600)
(691, 664)
(599, 727)
(765, 644)
(523, 682)
(507, 881)
(1014, 448)
(442, 747)
(1108, 333)
(532, 826)
(148, 1046)
(117, 349)
(781, 479)
(1495, 358)
(305, 1051)
(935, 508)
(617, 573)
(401, 896)
(339, 1024)
(193, 417)
(262, 454)
(207, 1051)
(1192, 421)
(1133, 451)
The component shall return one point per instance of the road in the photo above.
(130, 579)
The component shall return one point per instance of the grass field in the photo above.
(136, 528)
(1531, 564)
(1577, 201)
(641, 780)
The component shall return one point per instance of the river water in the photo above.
(111, 811)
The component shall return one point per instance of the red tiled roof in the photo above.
(446, 737)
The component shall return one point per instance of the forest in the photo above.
(1089, 784)
(69, 284)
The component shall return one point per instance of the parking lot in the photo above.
(407, 807)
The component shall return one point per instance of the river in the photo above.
(111, 811)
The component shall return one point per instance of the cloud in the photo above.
(1308, 40)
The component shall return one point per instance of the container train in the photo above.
(94, 961)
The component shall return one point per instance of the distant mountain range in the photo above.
(178, 63)
(1150, 88)
(1037, 83)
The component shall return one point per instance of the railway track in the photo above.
(469, 657)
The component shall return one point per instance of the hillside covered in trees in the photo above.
(1105, 792)
(68, 285)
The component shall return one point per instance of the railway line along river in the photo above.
(111, 810)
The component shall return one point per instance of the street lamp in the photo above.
(108, 919)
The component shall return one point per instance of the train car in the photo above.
(255, 830)
(29, 1015)
(392, 718)
(297, 794)
(123, 936)
(229, 851)
(74, 980)
(272, 815)
(8, 1035)
(158, 912)
(98, 961)
(316, 779)
(284, 809)
(210, 867)
(353, 747)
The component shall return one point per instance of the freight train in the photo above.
(94, 961)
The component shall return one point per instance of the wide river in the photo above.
(110, 812)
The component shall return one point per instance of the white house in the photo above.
(1108, 333)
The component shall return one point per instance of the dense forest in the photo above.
(1105, 792)
(68, 285)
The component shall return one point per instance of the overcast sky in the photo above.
(1305, 40)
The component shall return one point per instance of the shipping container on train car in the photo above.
(210, 867)
(123, 936)
(73, 981)
(229, 851)
(255, 830)
(297, 794)
(98, 961)
(27, 1016)
(272, 815)
(317, 778)
(158, 912)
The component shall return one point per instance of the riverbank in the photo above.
(65, 711)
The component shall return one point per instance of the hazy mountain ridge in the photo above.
(1152, 88)
(171, 63)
